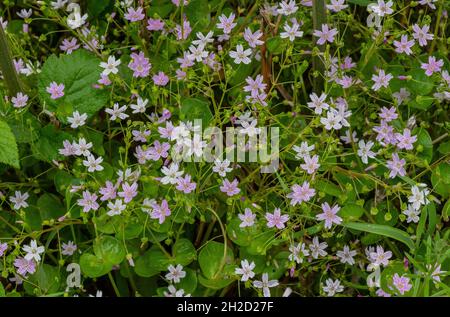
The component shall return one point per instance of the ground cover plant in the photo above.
(107, 111)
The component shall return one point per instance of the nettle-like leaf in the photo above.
(9, 153)
(79, 72)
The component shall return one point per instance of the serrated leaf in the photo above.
(79, 73)
(9, 153)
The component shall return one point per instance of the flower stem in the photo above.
(319, 18)
(7, 67)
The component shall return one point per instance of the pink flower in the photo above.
(104, 80)
(140, 65)
(329, 215)
(182, 33)
(301, 193)
(230, 188)
(247, 219)
(185, 185)
(404, 46)
(56, 91)
(158, 150)
(276, 219)
(405, 140)
(160, 211)
(160, 79)
(311, 164)
(226, 23)
(381, 80)
(20, 100)
(421, 34)
(134, 15)
(388, 114)
(88, 202)
(401, 283)
(3, 248)
(326, 35)
(69, 46)
(24, 266)
(396, 166)
(108, 192)
(128, 192)
(432, 66)
(155, 25)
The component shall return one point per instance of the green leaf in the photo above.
(198, 14)
(9, 153)
(422, 102)
(49, 142)
(151, 263)
(184, 252)
(25, 128)
(93, 266)
(240, 236)
(420, 84)
(328, 188)
(79, 73)
(276, 45)
(440, 178)
(424, 139)
(446, 211)
(212, 259)
(50, 207)
(189, 282)
(109, 249)
(351, 212)
(47, 279)
(383, 230)
(214, 284)
(192, 108)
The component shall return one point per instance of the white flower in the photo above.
(298, 252)
(246, 270)
(364, 150)
(318, 103)
(332, 121)
(140, 106)
(82, 148)
(202, 39)
(318, 248)
(58, 4)
(346, 255)
(241, 56)
(332, 287)
(418, 197)
(265, 284)
(412, 214)
(195, 145)
(33, 251)
(302, 150)
(198, 53)
(173, 292)
(19, 200)
(116, 208)
(175, 273)
(110, 66)
(93, 164)
(75, 19)
(250, 128)
(117, 112)
(171, 174)
(291, 32)
(77, 119)
(311, 164)
(287, 8)
(222, 167)
(25, 14)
